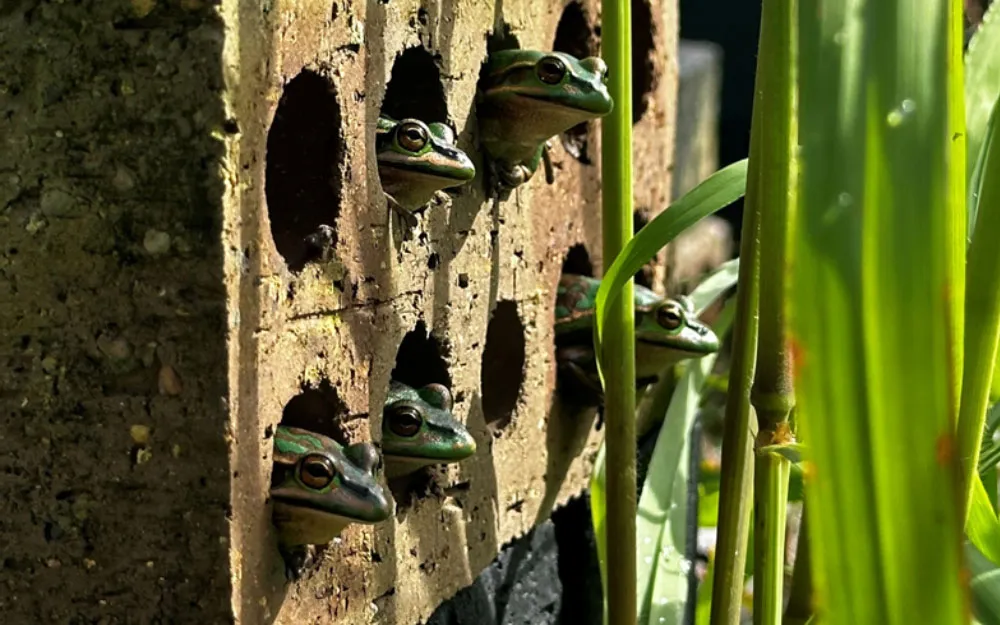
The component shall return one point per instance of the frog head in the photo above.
(419, 429)
(668, 330)
(535, 95)
(319, 487)
(415, 160)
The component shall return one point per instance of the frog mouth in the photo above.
(705, 347)
(566, 103)
(449, 175)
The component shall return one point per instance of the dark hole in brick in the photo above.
(643, 277)
(503, 365)
(642, 58)
(502, 38)
(463, 280)
(433, 261)
(415, 88)
(575, 36)
(420, 359)
(318, 409)
(577, 261)
(304, 153)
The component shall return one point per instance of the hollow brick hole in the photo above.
(420, 359)
(305, 150)
(502, 371)
(415, 88)
(577, 261)
(575, 36)
(643, 51)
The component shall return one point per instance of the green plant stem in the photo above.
(619, 348)
(771, 495)
(770, 191)
(772, 394)
(799, 608)
(736, 480)
(982, 315)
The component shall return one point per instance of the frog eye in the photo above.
(316, 471)
(669, 317)
(405, 421)
(550, 70)
(412, 137)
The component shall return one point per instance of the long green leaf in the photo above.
(717, 191)
(982, 83)
(982, 312)
(985, 587)
(662, 565)
(873, 267)
(719, 281)
(982, 527)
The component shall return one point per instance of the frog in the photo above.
(525, 98)
(667, 331)
(417, 160)
(419, 429)
(318, 488)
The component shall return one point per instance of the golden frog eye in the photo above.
(412, 137)
(405, 421)
(316, 471)
(550, 70)
(669, 317)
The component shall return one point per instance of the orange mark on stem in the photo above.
(944, 449)
(782, 434)
(797, 355)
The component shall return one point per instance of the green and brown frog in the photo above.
(318, 487)
(417, 160)
(666, 331)
(419, 429)
(528, 96)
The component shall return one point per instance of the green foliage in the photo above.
(661, 523)
(872, 271)
(662, 583)
(894, 318)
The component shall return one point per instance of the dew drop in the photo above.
(899, 114)
(845, 199)
(648, 559)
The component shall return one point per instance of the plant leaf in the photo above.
(873, 324)
(661, 523)
(717, 191)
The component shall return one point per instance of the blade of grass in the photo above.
(619, 352)
(982, 83)
(702, 297)
(985, 587)
(874, 249)
(662, 574)
(982, 315)
(982, 527)
(716, 192)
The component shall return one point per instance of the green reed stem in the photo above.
(772, 394)
(619, 344)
